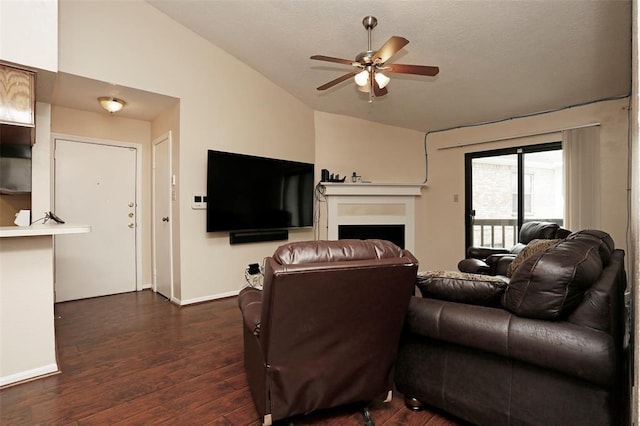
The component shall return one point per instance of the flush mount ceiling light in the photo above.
(111, 104)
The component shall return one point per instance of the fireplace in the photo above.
(393, 233)
(364, 210)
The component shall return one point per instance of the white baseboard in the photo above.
(29, 374)
(146, 286)
(205, 298)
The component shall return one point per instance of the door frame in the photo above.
(139, 211)
(520, 151)
(168, 137)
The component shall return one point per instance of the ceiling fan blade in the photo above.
(390, 48)
(412, 69)
(330, 59)
(338, 80)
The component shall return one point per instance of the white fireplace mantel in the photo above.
(379, 189)
(372, 204)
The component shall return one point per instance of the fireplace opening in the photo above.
(393, 233)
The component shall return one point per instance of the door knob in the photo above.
(131, 204)
(131, 225)
(165, 219)
(130, 214)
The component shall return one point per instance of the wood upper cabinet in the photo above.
(17, 96)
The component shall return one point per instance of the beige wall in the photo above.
(224, 105)
(106, 127)
(377, 152)
(35, 24)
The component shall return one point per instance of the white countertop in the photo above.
(43, 229)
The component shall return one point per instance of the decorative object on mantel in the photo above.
(325, 176)
(355, 178)
(111, 104)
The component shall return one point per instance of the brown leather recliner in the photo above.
(495, 260)
(324, 330)
(543, 348)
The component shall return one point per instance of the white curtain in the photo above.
(581, 151)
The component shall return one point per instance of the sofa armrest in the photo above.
(484, 252)
(499, 263)
(573, 350)
(473, 266)
(250, 302)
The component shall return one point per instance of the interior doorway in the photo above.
(97, 183)
(162, 217)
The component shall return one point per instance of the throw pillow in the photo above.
(461, 287)
(531, 249)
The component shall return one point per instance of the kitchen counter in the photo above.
(43, 229)
(27, 329)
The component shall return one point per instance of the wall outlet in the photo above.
(199, 202)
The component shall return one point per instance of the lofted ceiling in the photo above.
(497, 59)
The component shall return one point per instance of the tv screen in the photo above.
(249, 193)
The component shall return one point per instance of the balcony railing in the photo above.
(500, 232)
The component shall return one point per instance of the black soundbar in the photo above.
(242, 237)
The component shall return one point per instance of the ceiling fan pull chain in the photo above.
(371, 84)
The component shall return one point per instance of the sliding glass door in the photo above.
(508, 187)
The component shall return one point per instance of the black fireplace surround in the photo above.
(393, 233)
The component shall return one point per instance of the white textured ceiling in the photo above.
(497, 59)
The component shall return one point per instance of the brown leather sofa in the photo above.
(543, 348)
(324, 330)
(495, 260)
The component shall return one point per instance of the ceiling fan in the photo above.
(370, 65)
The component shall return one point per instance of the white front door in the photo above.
(162, 194)
(95, 184)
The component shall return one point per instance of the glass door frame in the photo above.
(520, 151)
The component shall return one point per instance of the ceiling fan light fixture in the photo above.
(362, 78)
(381, 79)
(111, 104)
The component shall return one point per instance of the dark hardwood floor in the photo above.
(135, 358)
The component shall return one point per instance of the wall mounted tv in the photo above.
(249, 193)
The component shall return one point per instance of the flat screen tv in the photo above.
(249, 193)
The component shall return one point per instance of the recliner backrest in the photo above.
(537, 231)
(329, 251)
(332, 314)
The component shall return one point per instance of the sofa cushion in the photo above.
(551, 284)
(531, 249)
(461, 287)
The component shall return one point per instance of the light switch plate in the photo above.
(199, 202)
